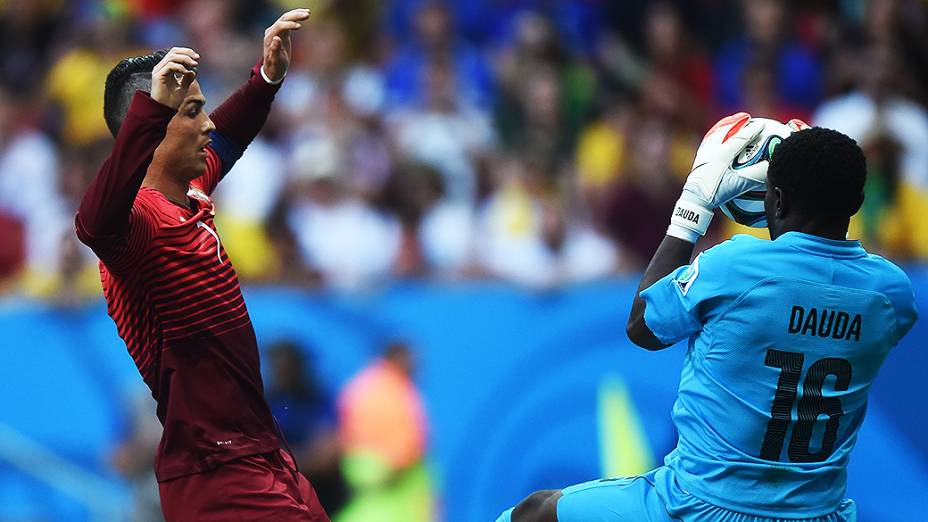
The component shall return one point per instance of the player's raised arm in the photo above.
(708, 185)
(239, 119)
(139, 122)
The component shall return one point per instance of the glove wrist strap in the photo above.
(689, 221)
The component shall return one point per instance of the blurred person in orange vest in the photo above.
(382, 427)
(381, 411)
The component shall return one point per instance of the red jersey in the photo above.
(173, 293)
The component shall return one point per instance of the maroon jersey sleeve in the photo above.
(238, 120)
(106, 220)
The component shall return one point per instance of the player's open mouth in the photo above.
(202, 149)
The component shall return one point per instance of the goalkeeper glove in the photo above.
(797, 125)
(713, 182)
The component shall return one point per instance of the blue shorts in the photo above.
(656, 497)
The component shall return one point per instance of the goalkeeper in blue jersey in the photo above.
(784, 339)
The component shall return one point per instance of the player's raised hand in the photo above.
(712, 181)
(171, 78)
(277, 49)
(719, 148)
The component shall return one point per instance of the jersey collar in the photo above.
(818, 245)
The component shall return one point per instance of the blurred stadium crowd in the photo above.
(536, 141)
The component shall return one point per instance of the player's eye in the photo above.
(195, 108)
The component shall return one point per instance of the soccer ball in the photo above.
(748, 207)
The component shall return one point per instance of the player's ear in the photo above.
(859, 203)
(780, 201)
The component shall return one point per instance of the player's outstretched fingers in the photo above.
(277, 43)
(289, 21)
(300, 14)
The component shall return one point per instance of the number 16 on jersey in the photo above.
(811, 405)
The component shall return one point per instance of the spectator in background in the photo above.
(673, 54)
(797, 71)
(891, 219)
(881, 95)
(13, 247)
(73, 83)
(133, 455)
(328, 93)
(247, 196)
(306, 417)
(546, 94)
(524, 236)
(210, 27)
(338, 101)
(158, 8)
(446, 231)
(383, 429)
(27, 31)
(322, 65)
(638, 203)
(29, 194)
(434, 38)
(602, 150)
(437, 231)
(897, 26)
(536, 120)
(340, 236)
(672, 73)
(880, 114)
(78, 275)
(444, 132)
(758, 88)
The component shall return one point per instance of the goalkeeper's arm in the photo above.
(710, 184)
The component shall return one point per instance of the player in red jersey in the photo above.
(172, 292)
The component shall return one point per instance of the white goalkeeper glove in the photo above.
(797, 125)
(713, 182)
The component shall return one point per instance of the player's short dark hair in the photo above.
(823, 170)
(128, 76)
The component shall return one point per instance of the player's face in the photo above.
(188, 135)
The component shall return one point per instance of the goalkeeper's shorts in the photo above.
(636, 499)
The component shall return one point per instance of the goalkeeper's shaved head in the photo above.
(128, 76)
